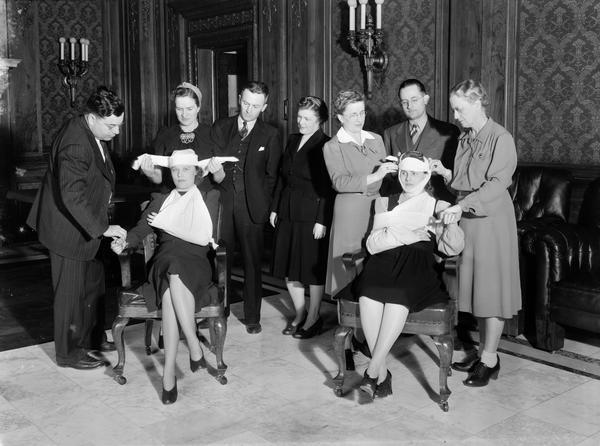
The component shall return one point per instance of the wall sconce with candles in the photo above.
(73, 68)
(367, 42)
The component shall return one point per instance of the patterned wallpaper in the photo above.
(558, 102)
(67, 18)
(409, 27)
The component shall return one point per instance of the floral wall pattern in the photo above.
(558, 99)
(409, 27)
(67, 18)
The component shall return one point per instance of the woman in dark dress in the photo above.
(301, 213)
(179, 277)
(399, 276)
(188, 133)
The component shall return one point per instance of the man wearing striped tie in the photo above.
(420, 131)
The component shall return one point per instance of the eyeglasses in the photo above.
(356, 115)
(411, 101)
(253, 106)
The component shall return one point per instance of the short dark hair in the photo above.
(409, 82)
(105, 103)
(256, 87)
(315, 104)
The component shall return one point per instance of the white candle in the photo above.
(352, 6)
(72, 41)
(379, 8)
(62, 41)
(363, 13)
(87, 50)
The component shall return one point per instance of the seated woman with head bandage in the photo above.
(179, 277)
(399, 277)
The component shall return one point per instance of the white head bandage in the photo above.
(413, 164)
(186, 157)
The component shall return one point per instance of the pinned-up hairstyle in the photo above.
(472, 91)
(315, 104)
(187, 90)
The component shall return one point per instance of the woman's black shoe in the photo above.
(385, 388)
(313, 330)
(290, 328)
(466, 366)
(481, 374)
(169, 396)
(199, 364)
(368, 385)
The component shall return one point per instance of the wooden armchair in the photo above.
(437, 321)
(133, 306)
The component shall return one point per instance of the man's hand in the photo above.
(115, 231)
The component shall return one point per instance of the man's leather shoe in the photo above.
(85, 363)
(481, 374)
(107, 346)
(253, 328)
(466, 366)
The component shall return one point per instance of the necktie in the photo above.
(414, 129)
(244, 130)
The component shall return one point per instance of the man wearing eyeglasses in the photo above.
(435, 139)
(70, 215)
(247, 188)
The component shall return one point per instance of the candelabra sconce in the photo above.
(73, 68)
(367, 42)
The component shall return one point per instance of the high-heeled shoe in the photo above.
(466, 366)
(385, 388)
(368, 385)
(313, 330)
(199, 364)
(169, 396)
(481, 375)
(290, 328)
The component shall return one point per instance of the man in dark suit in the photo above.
(435, 139)
(70, 215)
(247, 188)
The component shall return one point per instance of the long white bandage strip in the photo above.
(163, 161)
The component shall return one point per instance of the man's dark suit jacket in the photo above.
(261, 166)
(438, 140)
(70, 212)
(304, 191)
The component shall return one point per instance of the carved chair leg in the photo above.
(117, 332)
(148, 336)
(341, 342)
(219, 326)
(445, 346)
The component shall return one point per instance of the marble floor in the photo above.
(280, 392)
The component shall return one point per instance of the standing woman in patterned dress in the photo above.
(355, 161)
(489, 285)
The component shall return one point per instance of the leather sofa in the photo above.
(567, 288)
(541, 198)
